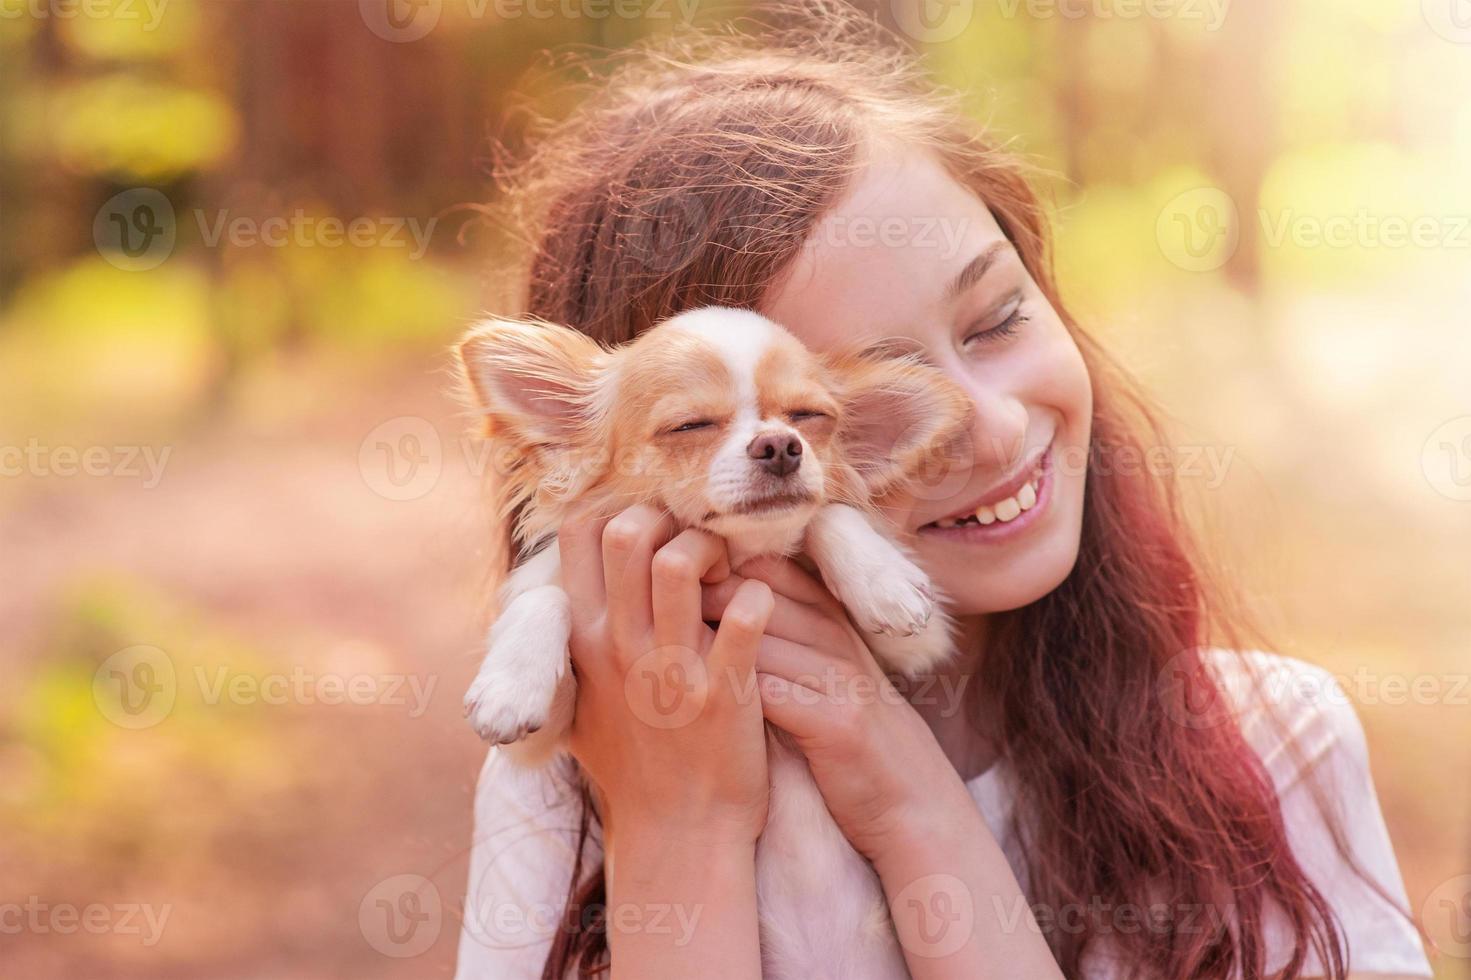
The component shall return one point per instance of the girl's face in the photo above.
(910, 255)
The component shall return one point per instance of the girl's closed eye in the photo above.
(1012, 318)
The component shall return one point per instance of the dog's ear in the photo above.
(898, 415)
(532, 379)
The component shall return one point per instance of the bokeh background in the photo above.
(239, 520)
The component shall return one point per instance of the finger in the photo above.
(579, 542)
(629, 542)
(790, 619)
(676, 573)
(732, 661)
(787, 578)
(798, 662)
(794, 708)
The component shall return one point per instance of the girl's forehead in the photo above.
(879, 263)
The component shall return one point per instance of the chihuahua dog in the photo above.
(725, 421)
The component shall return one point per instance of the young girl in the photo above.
(1105, 782)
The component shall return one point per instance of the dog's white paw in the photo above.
(514, 693)
(897, 601)
(504, 708)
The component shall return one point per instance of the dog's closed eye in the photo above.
(691, 426)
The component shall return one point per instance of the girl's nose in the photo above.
(998, 430)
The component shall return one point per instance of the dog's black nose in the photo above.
(776, 454)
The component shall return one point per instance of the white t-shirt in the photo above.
(526, 831)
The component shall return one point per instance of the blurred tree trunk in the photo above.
(1241, 122)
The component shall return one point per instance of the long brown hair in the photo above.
(692, 175)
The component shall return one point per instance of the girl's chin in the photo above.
(972, 592)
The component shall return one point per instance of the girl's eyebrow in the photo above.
(896, 345)
(977, 267)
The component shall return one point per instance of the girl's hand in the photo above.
(884, 777)
(665, 723)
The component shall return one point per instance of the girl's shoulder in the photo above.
(1302, 723)
(1296, 715)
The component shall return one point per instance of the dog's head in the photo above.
(718, 415)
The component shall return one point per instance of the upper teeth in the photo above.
(1001, 510)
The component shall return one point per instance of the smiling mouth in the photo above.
(1020, 496)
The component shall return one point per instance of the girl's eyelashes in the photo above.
(1009, 325)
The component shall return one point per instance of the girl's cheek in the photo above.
(897, 507)
(1061, 379)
